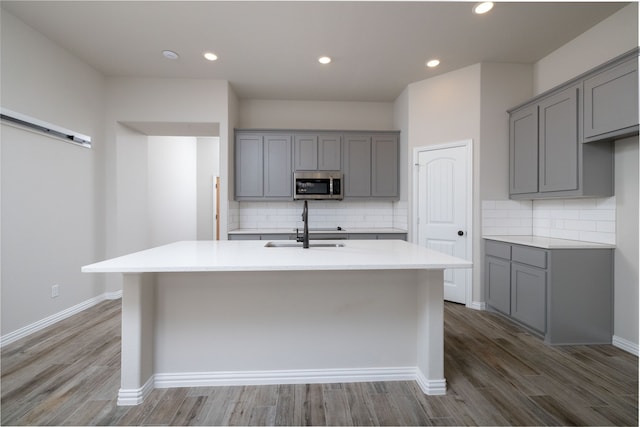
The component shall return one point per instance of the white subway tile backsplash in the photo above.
(590, 220)
(606, 226)
(322, 214)
(572, 224)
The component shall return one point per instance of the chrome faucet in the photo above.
(305, 218)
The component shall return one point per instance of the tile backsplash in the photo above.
(591, 220)
(322, 214)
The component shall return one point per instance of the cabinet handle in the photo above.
(460, 233)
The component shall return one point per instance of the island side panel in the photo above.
(244, 326)
(138, 330)
(430, 376)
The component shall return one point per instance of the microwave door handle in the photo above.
(330, 186)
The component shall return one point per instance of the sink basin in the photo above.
(299, 245)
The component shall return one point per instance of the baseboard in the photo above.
(132, 397)
(625, 345)
(303, 376)
(431, 387)
(477, 305)
(113, 295)
(55, 318)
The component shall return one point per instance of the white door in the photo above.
(443, 209)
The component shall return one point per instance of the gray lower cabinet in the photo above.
(528, 295)
(498, 283)
(263, 166)
(611, 102)
(563, 295)
(371, 166)
(322, 236)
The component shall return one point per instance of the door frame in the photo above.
(468, 145)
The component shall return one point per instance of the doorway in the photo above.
(442, 204)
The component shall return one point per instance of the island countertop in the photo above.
(193, 256)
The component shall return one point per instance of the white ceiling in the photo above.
(269, 50)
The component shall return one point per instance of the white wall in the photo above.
(604, 41)
(158, 100)
(503, 86)
(608, 39)
(208, 166)
(132, 183)
(626, 254)
(264, 114)
(172, 189)
(445, 109)
(51, 190)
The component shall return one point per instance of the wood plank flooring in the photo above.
(497, 374)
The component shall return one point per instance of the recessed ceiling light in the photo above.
(210, 56)
(324, 60)
(169, 54)
(433, 63)
(483, 7)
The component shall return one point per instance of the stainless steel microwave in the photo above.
(317, 186)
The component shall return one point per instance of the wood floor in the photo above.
(497, 374)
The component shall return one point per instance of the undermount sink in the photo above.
(299, 245)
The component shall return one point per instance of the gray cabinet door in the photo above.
(330, 152)
(384, 166)
(278, 173)
(529, 296)
(523, 151)
(497, 279)
(317, 152)
(611, 102)
(249, 165)
(357, 166)
(558, 141)
(305, 152)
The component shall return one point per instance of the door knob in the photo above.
(460, 233)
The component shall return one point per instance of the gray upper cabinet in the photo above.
(611, 102)
(249, 166)
(546, 156)
(330, 152)
(357, 166)
(265, 161)
(314, 151)
(384, 166)
(523, 151)
(558, 142)
(305, 151)
(371, 166)
(278, 175)
(263, 166)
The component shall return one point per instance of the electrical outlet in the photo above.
(55, 291)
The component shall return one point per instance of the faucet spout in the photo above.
(305, 220)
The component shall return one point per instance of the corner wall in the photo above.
(52, 209)
(446, 109)
(606, 40)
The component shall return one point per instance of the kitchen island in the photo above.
(204, 313)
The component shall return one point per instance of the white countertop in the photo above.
(252, 255)
(549, 242)
(322, 231)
